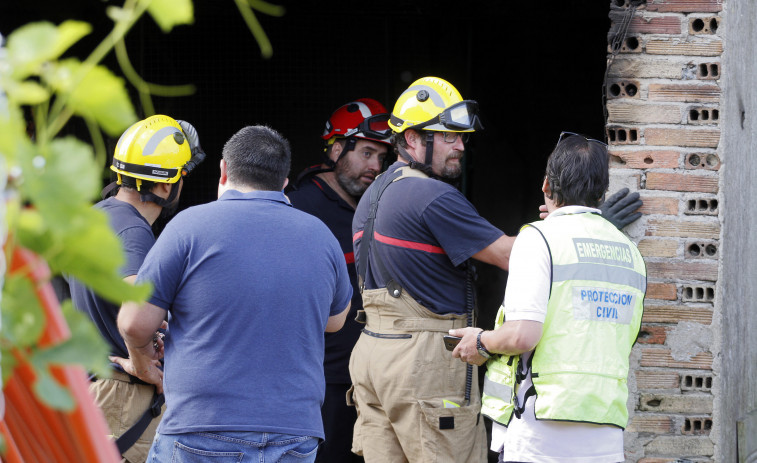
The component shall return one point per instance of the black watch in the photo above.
(481, 349)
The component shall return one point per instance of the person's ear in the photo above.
(336, 150)
(164, 189)
(286, 182)
(412, 138)
(224, 178)
(545, 187)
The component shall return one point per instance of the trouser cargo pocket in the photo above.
(447, 433)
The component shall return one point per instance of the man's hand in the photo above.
(466, 349)
(148, 371)
(619, 208)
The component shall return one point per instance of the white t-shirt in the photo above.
(527, 439)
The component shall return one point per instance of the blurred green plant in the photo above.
(50, 181)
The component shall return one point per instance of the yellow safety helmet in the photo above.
(431, 103)
(155, 149)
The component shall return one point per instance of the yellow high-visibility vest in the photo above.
(579, 368)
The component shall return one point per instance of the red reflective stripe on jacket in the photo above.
(408, 244)
(401, 243)
(349, 257)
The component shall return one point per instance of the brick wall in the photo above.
(663, 127)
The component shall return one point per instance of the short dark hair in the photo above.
(131, 183)
(259, 157)
(578, 172)
(398, 139)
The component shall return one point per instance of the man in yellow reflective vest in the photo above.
(558, 356)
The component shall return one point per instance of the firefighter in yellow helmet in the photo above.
(414, 235)
(151, 160)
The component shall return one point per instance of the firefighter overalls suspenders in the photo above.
(409, 391)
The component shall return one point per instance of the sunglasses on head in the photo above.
(568, 134)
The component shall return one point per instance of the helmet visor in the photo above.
(375, 126)
(461, 116)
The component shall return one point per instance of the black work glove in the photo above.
(619, 208)
(198, 155)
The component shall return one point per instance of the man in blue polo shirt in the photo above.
(356, 139)
(244, 349)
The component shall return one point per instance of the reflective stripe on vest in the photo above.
(499, 382)
(580, 366)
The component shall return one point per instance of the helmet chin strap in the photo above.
(429, 147)
(166, 203)
(425, 168)
(349, 145)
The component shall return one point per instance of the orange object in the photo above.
(34, 432)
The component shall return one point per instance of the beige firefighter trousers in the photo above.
(123, 403)
(401, 382)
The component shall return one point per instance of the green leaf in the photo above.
(27, 93)
(61, 181)
(170, 13)
(93, 255)
(8, 363)
(85, 347)
(49, 391)
(71, 165)
(100, 95)
(32, 44)
(32, 233)
(23, 319)
(103, 97)
(70, 32)
(29, 46)
(13, 138)
(84, 246)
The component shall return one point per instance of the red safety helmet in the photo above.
(364, 118)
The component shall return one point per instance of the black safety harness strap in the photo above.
(128, 438)
(366, 242)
